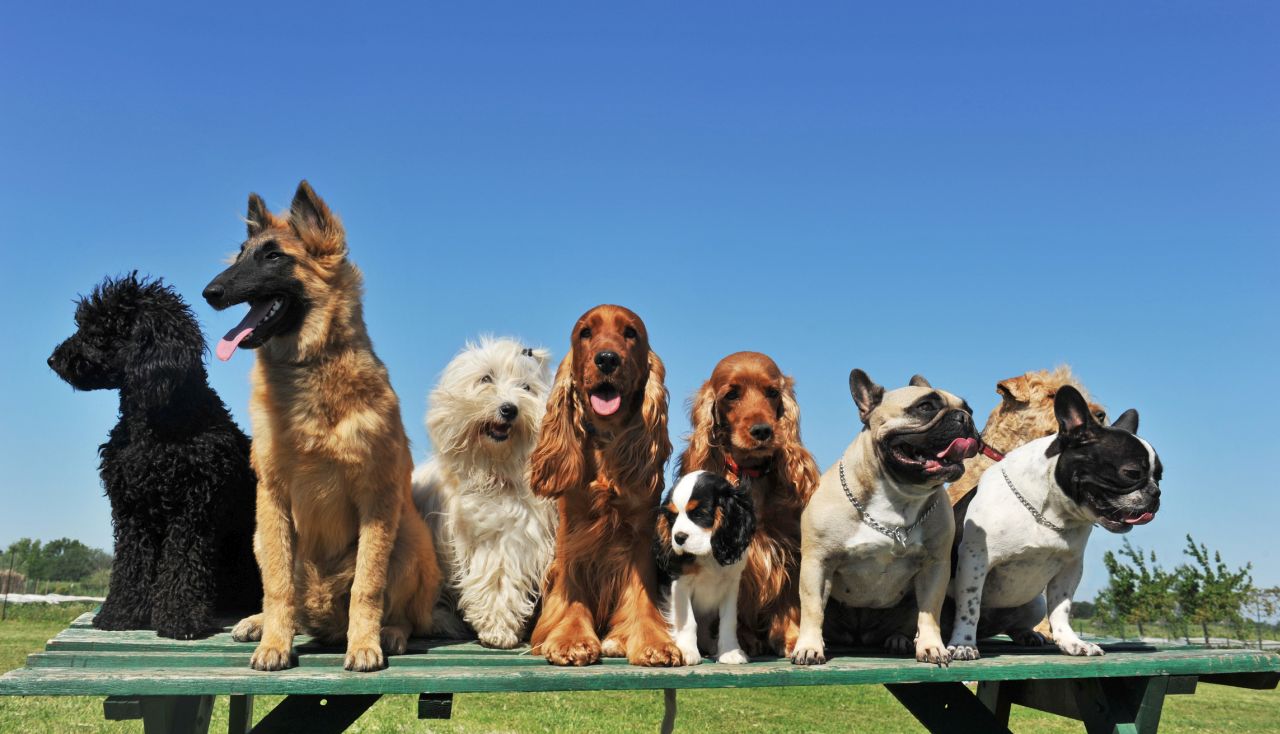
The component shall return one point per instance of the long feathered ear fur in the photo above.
(662, 556)
(798, 467)
(653, 414)
(736, 526)
(558, 461)
(702, 436)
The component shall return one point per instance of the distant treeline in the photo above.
(62, 566)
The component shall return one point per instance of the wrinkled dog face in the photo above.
(491, 397)
(1106, 469)
(921, 434)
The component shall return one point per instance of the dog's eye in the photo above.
(629, 333)
(1101, 415)
(1132, 474)
(527, 387)
(273, 255)
(585, 333)
(733, 394)
(928, 407)
(771, 393)
(487, 379)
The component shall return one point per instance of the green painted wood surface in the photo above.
(85, 661)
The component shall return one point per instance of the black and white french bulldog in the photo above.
(1025, 532)
(876, 534)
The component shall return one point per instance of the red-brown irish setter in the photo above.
(601, 453)
(746, 424)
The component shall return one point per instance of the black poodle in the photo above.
(176, 467)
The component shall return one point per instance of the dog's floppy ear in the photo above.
(164, 353)
(1014, 389)
(737, 524)
(259, 218)
(1128, 421)
(1075, 422)
(702, 434)
(662, 545)
(558, 461)
(919, 381)
(653, 414)
(318, 228)
(798, 467)
(866, 394)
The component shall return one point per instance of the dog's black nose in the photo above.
(761, 432)
(213, 292)
(508, 412)
(680, 538)
(49, 361)
(607, 362)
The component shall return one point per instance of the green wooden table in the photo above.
(171, 685)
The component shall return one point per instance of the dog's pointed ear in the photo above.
(702, 421)
(558, 461)
(164, 353)
(1128, 421)
(866, 393)
(259, 218)
(1075, 423)
(1014, 389)
(313, 223)
(919, 381)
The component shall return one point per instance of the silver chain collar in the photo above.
(897, 534)
(1034, 512)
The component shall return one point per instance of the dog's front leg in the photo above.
(565, 632)
(931, 590)
(1061, 590)
(815, 589)
(183, 604)
(273, 542)
(379, 513)
(636, 620)
(727, 648)
(971, 575)
(128, 604)
(684, 623)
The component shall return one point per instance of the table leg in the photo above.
(946, 707)
(315, 714)
(240, 718)
(162, 714)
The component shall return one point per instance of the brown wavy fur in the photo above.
(768, 600)
(607, 473)
(343, 553)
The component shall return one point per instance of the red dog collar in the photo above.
(733, 467)
(991, 453)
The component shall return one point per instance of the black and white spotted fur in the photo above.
(704, 529)
(1010, 564)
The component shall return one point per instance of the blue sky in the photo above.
(964, 192)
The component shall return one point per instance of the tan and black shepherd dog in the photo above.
(343, 553)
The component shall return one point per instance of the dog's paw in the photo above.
(661, 655)
(963, 652)
(899, 644)
(572, 652)
(1028, 638)
(1080, 647)
(499, 639)
(733, 657)
(183, 631)
(690, 654)
(934, 654)
(394, 640)
(364, 658)
(612, 647)
(248, 629)
(808, 654)
(268, 657)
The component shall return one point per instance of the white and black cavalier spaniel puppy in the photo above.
(704, 528)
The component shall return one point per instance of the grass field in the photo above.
(816, 709)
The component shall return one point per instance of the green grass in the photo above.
(810, 709)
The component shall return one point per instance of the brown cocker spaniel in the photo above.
(601, 453)
(746, 423)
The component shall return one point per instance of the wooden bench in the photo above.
(171, 685)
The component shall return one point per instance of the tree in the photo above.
(1139, 592)
(1207, 591)
(1265, 604)
(63, 559)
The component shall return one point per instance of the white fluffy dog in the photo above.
(494, 538)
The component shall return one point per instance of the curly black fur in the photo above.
(175, 468)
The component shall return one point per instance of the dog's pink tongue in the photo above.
(606, 406)
(959, 450)
(1142, 519)
(227, 344)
